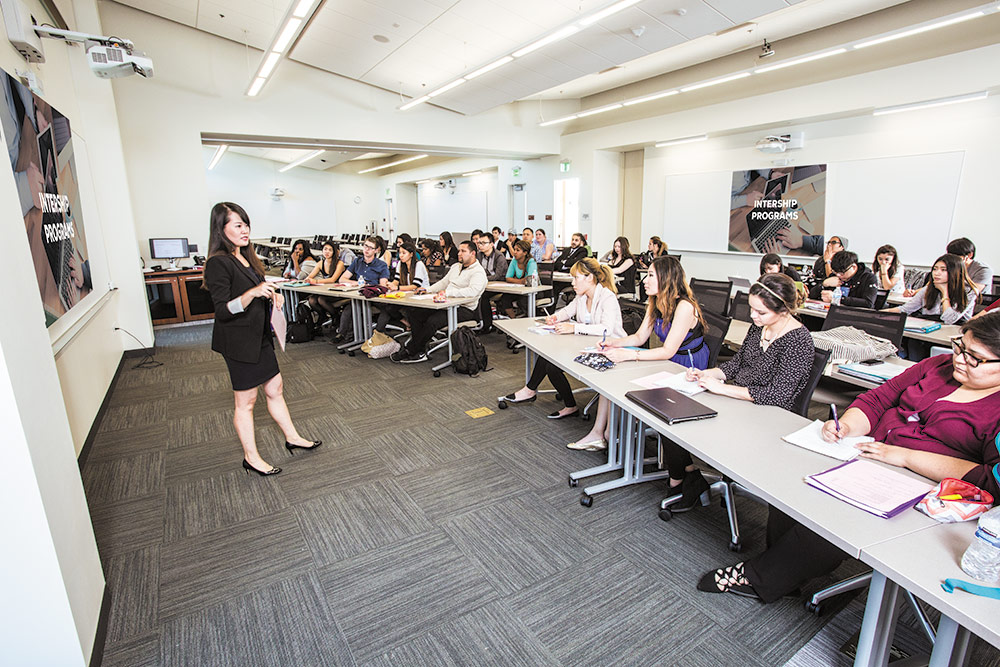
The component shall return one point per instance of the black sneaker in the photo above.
(414, 359)
(399, 356)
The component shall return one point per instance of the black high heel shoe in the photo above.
(289, 446)
(273, 471)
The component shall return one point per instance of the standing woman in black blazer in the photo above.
(234, 276)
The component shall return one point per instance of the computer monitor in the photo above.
(172, 249)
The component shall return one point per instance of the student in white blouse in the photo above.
(594, 311)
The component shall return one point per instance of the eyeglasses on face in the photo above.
(368, 246)
(958, 348)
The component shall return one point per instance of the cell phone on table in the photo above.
(871, 362)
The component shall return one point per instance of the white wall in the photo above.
(971, 128)
(52, 594)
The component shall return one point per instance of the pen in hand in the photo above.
(836, 421)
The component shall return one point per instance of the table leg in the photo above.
(452, 325)
(356, 316)
(950, 645)
(614, 452)
(879, 624)
(531, 305)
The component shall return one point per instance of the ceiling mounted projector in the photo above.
(779, 143)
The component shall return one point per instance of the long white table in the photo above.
(940, 336)
(499, 287)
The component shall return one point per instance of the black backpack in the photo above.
(304, 326)
(468, 354)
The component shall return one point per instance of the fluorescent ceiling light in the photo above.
(255, 87)
(556, 121)
(591, 112)
(489, 68)
(607, 11)
(287, 34)
(393, 164)
(958, 99)
(918, 30)
(219, 152)
(269, 64)
(706, 84)
(303, 8)
(422, 182)
(650, 98)
(799, 61)
(446, 88)
(302, 160)
(473, 173)
(414, 102)
(554, 37)
(682, 140)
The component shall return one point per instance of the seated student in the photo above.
(527, 235)
(821, 269)
(367, 269)
(771, 368)
(571, 255)
(448, 249)
(498, 239)
(518, 272)
(673, 314)
(855, 281)
(412, 275)
(383, 250)
(495, 265)
(327, 271)
(542, 249)
(622, 264)
(889, 271)
(948, 293)
(466, 278)
(403, 238)
(656, 248)
(431, 251)
(771, 263)
(301, 261)
(980, 274)
(957, 399)
(596, 312)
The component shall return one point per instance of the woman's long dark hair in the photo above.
(218, 244)
(673, 288)
(526, 249)
(958, 283)
(771, 259)
(334, 258)
(447, 243)
(408, 269)
(887, 250)
(307, 254)
(777, 292)
(626, 253)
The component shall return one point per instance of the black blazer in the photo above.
(238, 336)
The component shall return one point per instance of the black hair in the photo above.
(528, 229)
(306, 247)
(476, 232)
(404, 237)
(843, 260)
(408, 269)
(958, 283)
(334, 258)
(541, 230)
(887, 250)
(962, 247)
(219, 244)
(469, 245)
(447, 242)
(497, 229)
(986, 330)
(770, 259)
(777, 292)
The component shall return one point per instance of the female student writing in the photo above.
(771, 368)
(673, 314)
(243, 300)
(595, 311)
(522, 266)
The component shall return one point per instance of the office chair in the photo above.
(273, 239)
(712, 295)
(881, 324)
(677, 257)
(715, 334)
(880, 299)
(740, 307)
(985, 300)
(727, 488)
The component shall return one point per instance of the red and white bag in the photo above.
(941, 505)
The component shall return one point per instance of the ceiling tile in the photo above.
(579, 58)
(181, 11)
(655, 36)
(740, 11)
(699, 19)
(608, 45)
(421, 11)
(261, 10)
(333, 59)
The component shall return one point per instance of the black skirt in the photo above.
(245, 375)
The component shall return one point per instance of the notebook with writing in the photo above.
(670, 405)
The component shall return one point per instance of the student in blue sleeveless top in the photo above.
(674, 316)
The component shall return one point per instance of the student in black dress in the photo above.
(448, 248)
(242, 333)
(771, 263)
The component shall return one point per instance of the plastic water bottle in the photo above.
(837, 295)
(982, 559)
(361, 281)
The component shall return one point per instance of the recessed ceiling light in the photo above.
(682, 140)
(913, 106)
(381, 38)
(706, 84)
(393, 164)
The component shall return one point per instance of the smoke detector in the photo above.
(277, 194)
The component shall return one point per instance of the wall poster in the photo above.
(781, 210)
(40, 148)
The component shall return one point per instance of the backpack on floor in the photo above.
(304, 326)
(469, 355)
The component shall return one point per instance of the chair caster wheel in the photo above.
(502, 405)
(515, 351)
(437, 374)
(814, 609)
(736, 547)
(573, 482)
(586, 500)
(350, 353)
(665, 514)
(341, 351)
(584, 416)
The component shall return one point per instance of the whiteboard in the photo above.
(907, 202)
(696, 210)
(445, 210)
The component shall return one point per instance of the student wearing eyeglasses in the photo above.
(855, 281)
(940, 418)
(370, 270)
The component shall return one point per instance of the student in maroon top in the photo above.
(940, 418)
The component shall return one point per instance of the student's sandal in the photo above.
(588, 445)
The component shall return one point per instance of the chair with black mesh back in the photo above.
(712, 295)
(273, 238)
(725, 487)
(715, 334)
(740, 308)
(545, 271)
(984, 301)
(877, 323)
(677, 257)
(880, 299)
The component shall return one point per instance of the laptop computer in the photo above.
(740, 283)
(670, 405)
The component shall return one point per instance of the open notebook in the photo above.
(811, 437)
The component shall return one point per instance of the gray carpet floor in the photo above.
(416, 535)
